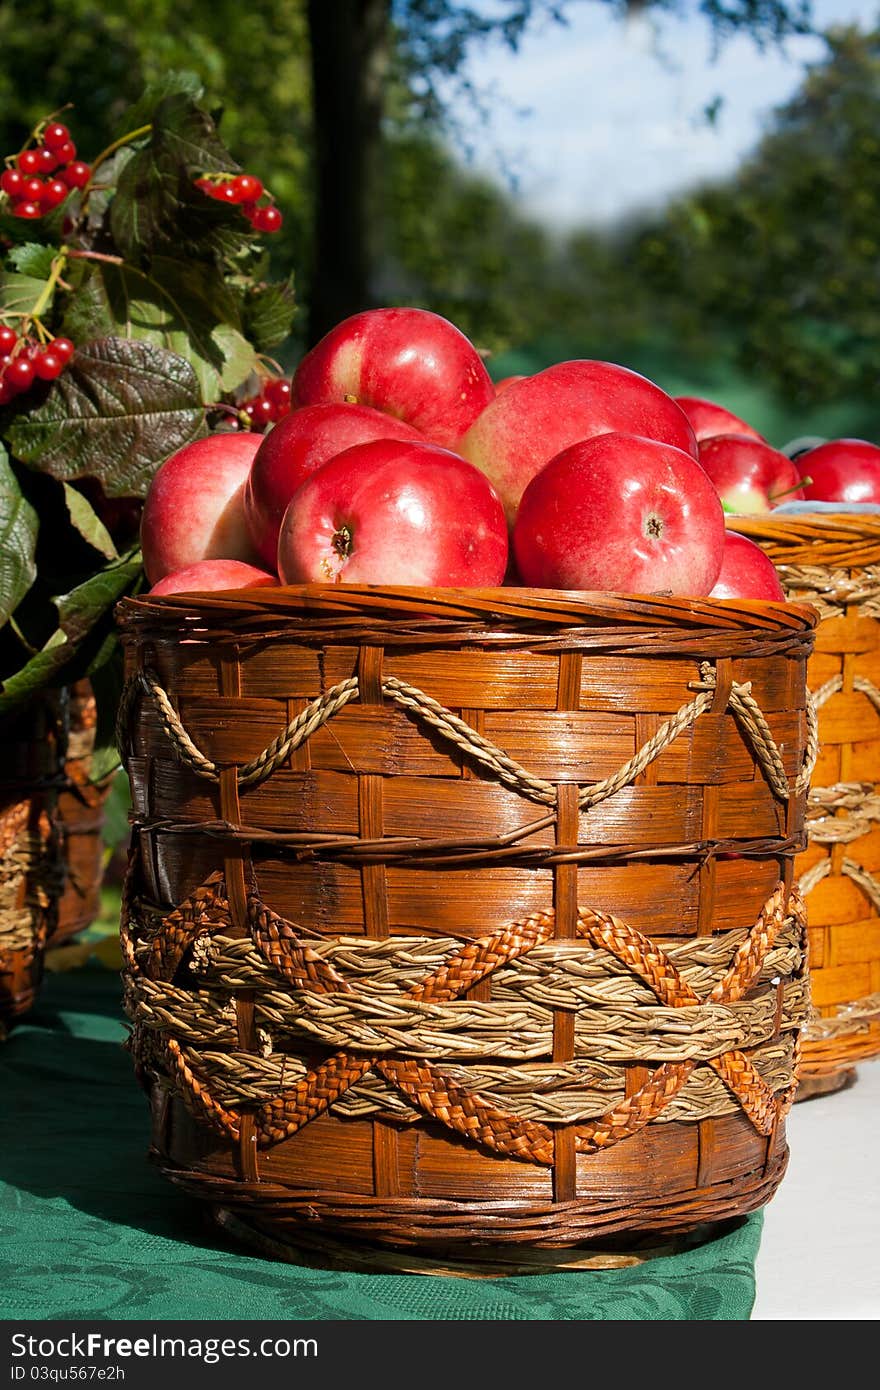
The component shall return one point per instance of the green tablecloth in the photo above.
(88, 1230)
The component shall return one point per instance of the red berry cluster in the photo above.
(244, 191)
(41, 176)
(269, 404)
(23, 361)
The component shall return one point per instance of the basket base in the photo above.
(811, 1086)
(21, 973)
(321, 1251)
(310, 1192)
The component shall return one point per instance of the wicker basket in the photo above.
(31, 864)
(833, 561)
(81, 813)
(461, 918)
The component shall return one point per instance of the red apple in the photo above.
(214, 574)
(194, 508)
(842, 470)
(620, 512)
(708, 418)
(505, 381)
(300, 442)
(415, 365)
(749, 474)
(535, 419)
(746, 571)
(394, 512)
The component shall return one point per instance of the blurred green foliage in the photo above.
(763, 290)
(782, 261)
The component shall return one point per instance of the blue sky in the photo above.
(599, 119)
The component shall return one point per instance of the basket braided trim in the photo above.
(467, 1029)
(620, 619)
(557, 974)
(568, 1093)
(818, 551)
(861, 877)
(488, 755)
(31, 877)
(825, 825)
(833, 590)
(856, 1017)
(443, 1097)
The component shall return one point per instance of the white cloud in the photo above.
(614, 112)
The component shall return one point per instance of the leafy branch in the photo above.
(161, 289)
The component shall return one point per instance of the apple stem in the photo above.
(778, 496)
(342, 542)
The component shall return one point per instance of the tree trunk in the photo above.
(349, 58)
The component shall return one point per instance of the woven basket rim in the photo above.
(541, 607)
(843, 540)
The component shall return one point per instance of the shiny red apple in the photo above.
(194, 507)
(394, 512)
(214, 574)
(708, 418)
(535, 419)
(411, 363)
(301, 442)
(620, 512)
(746, 571)
(842, 470)
(749, 474)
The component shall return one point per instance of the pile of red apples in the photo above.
(402, 463)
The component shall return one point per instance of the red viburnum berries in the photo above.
(243, 191)
(269, 404)
(39, 178)
(23, 362)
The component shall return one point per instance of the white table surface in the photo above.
(819, 1257)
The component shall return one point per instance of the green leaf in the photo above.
(79, 612)
(268, 313)
(118, 411)
(33, 258)
(239, 357)
(174, 83)
(184, 307)
(190, 135)
(107, 681)
(88, 523)
(19, 526)
(156, 202)
(19, 293)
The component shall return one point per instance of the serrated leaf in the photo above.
(182, 306)
(156, 202)
(189, 133)
(268, 314)
(88, 523)
(33, 258)
(19, 525)
(119, 410)
(79, 612)
(170, 84)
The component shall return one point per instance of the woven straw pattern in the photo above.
(81, 819)
(31, 862)
(833, 562)
(439, 904)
